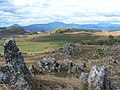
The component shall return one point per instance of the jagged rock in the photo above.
(73, 67)
(82, 64)
(111, 69)
(46, 62)
(49, 64)
(15, 73)
(63, 66)
(69, 49)
(34, 70)
(84, 77)
(67, 62)
(76, 68)
(98, 79)
(4, 74)
(112, 59)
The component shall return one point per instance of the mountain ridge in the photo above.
(53, 25)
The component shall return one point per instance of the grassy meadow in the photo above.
(34, 46)
(37, 46)
(44, 41)
(41, 42)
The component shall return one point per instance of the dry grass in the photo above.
(107, 33)
(50, 82)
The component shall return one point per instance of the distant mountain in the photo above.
(53, 25)
(15, 25)
(44, 27)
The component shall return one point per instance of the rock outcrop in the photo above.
(69, 49)
(14, 72)
(98, 79)
(84, 77)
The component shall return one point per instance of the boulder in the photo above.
(84, 76)
(98, 79)
(14, 73)
(33, 70)
(111, 69)
(46, 62)
(69, 49)
(82, 64)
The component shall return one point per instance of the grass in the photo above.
(43, 42)
(36, 46)
(116, 80)
(1, 46)
(40, 45)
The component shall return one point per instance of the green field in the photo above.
(43, 43)
(37, 46)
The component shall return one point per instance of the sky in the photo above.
(26, 12)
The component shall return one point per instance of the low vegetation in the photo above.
(91, 48)
(70, 30)
(12, 31)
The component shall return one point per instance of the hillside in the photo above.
(70, 30)
(13, 31)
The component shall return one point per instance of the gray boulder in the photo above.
(82, 64)
(34, 70)
(98, 79)
(14, 73)
(47, 63)
(111, 69)
(69, 49)
(84, 76)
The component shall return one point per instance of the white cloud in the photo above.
(26, 12)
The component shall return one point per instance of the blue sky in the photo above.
(26, 12)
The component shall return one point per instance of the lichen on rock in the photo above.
(98, 79)
(15, 72)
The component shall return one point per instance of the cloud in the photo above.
(25, 12)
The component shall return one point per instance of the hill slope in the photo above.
(12, 31)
